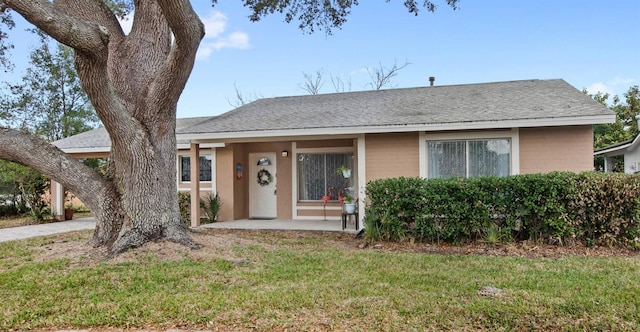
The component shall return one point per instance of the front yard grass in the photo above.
(269, 281)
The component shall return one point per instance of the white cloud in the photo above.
(615, 87)
(599, 87)
(215, 39)
(214, 24)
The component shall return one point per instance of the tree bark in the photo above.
(134, 82)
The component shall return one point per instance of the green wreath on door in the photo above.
(264, 177)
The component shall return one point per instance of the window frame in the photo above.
(334, 150)
(513, 134)
(179, 168)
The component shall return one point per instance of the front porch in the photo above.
(283, 224)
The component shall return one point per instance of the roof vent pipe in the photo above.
(431, 80)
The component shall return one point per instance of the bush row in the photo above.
(560, 207)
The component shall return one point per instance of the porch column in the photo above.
(608, 164)
(362, 176)
(57, 200)
(194, 156)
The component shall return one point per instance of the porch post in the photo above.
(57, 200)
(362, 176)
(608, 164)
(194, 158)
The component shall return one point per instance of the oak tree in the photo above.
(134, 81)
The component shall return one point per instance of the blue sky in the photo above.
(590, 44)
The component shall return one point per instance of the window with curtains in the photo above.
(317, 172)
(468, 158)
(205, 168)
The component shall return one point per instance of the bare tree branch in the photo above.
(312, 84)
(381, 76)
(241, 99)
(339, 85)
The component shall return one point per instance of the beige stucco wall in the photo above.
(548, 149)
(392, 155)
(225, 177)
(234, 193)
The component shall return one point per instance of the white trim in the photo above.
(214, 178)
(329, 218)
(87, 150)
(294, 179)
(59, 200)
(513, 135)
(422, 154)
(498, 124)
(319, 208)
(203, 153)
(362, 176)
(294, 173)
(339, 149)
(619, 148)
(515, 151)
(186, 146)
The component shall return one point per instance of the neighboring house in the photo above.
(629, 150)
(277, 157)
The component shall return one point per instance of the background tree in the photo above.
(134, 82)
(626, 126)
(5, 23)
(48, 102)
(623, 129)
(382, 76)
(340, 85)
(241, 98)
(312, 82)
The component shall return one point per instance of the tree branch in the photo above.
(26, 149)
(67, 29)
(188, 31)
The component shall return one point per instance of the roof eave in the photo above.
(542, 122)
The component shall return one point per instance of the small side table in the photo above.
(345, 217)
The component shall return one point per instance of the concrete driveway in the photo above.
(25, 232)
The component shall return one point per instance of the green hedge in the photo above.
(593, 208)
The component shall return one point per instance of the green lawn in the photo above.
(273, 281)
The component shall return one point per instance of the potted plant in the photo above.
(349, 204)
(68, 208)
(68, 212)
(344, 171)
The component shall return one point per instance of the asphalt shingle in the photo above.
(500, 101)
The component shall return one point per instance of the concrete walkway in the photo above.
(25, 232)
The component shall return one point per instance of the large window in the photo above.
(317, 172)
(205, 168)
(467, 158)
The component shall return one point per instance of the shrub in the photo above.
(558, 207)
(211, 207)
(184, 204)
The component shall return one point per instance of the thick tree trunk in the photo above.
(134, 83)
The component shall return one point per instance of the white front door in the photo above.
(263, 203)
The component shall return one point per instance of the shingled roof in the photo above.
(527, 103)
(97, 140)
(469, 106)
